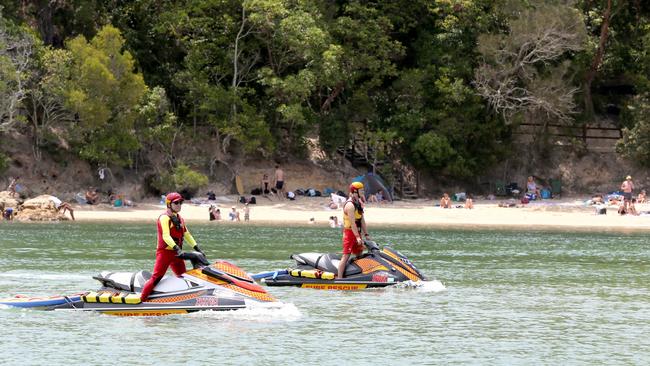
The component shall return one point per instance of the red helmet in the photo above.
(356, 186)
(173, 197)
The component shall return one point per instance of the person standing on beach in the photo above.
(247, 212)
(12, 187)
(169, 250)
(353, 225)
(627, 187)
(279, 181)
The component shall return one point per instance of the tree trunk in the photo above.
(328, 102)
(598, 59)
(45, 24)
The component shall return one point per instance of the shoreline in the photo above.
(564, 215)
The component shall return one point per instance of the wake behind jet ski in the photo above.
(217, 286)
(377, 268)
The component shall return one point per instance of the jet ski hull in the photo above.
(343, 284)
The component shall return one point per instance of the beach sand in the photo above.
(565, 214)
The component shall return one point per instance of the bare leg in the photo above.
(342, 264)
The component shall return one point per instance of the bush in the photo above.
(181, 178)
(4, 162)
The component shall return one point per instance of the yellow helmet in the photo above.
(356, 186)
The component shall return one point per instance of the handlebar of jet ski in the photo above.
(198, 259)
(371, 245)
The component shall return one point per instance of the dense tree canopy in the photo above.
(435, 85)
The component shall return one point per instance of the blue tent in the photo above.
(372, 184)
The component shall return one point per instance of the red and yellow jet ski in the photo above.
(377, 268)
(217, 286)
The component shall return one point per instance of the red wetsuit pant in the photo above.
(350, 244)
(164, 259)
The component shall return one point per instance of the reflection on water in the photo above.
(494, 297)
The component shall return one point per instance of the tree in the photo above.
(104, 92)
(16, 52)
(45, 106)
(525, 71)
(635, 144)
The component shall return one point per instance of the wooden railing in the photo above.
(582, 132)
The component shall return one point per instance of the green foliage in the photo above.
(4, 162)
(433, 150)
(413, 80)
(180, 178)
(104, 92)
(635, 144)
(155, 122)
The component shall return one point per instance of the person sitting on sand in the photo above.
(469, 202)
(597, 199)
(91, 196)
(233, 215)
(333, 205)
(641, 198)
(380, 196)
(62, 207)
(372, 198)
(628, 208)
(264, 185)
(214, 212)
(509, 203)
(531, 187)
(445, 201)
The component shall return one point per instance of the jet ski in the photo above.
(376, 268)
(208, 286)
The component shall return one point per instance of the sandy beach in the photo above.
(565, 214)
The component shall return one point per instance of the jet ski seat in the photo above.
(328, 262)
(134, 281)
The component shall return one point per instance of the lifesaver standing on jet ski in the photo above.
(169, 251)
(353, 225)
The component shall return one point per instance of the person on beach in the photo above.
(169, 250)
(233, 215)
(62, 207)
(627, 187)
(354, 224)
(641, 198)
(6, 213)
(264, 185)
(278, 178)
(12, 187)
(469, 202)
(247, 212)
(380, 196)
(445, 201)
(215, 213)
(531, 188)
(91, 196)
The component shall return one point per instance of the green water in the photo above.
(508, 298)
